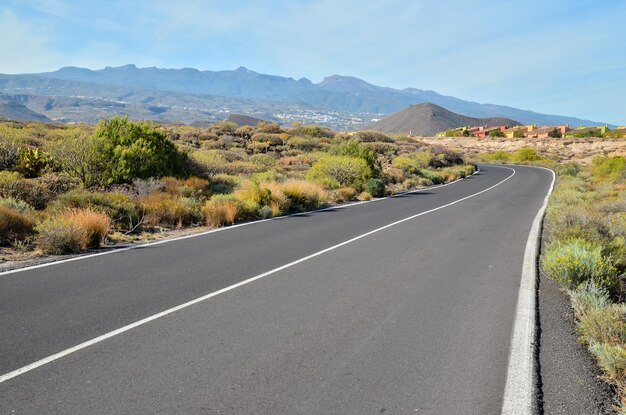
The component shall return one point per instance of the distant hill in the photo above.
(188, 95)
(241, 120)
(429, 119)
(12, 110)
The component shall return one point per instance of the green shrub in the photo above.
(266, 161)
(268, 176)
(14, 225)
(567, 169)
(576, 261)
(58, 183)
(337, 171)
(75, 154)
(433, 177)
(30, 191)
(588, 296)
(313, 131)
(269, 139)
(303, 143)
(224, 127)
(604, 325)
(444, 157)
(18, 205)
(266, 212)
(355, 149)
(422, 158)
(268, 127)
(7, 178)
(371, 136)
(10, 148)
(568, 220)
(613, 168)
(612, 359)
(375, 187)
(208, 163)
(526, 154)
(223, 183)
(406, 164)
(498, 157)
(130, 150)
(496, 133)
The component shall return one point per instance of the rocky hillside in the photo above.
(242, 119)
(12, 110)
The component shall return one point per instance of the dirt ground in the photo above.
(580, 150)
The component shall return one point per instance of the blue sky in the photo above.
(553, 56)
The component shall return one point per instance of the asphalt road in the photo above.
(415, 318)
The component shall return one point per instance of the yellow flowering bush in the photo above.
(575, 261)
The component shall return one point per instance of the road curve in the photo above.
(416, 317)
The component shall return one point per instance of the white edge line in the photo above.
(221, 229)
(519, 390)
(110, 334)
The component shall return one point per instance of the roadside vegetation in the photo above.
(64, 189)
(585, 252)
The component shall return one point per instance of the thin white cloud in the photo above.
(534, 55)
(25, 47)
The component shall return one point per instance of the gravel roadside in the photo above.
(570, 378)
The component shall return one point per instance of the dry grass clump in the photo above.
(169, 210)
(364, 196)
(94, 225)
(220, 210)
(121, 208)
(344, 194)
(278, 202)
(72, 231)
(193, 187)
(15, 225)
(303, 195)
(242, 167)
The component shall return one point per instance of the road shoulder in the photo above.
(570, 377)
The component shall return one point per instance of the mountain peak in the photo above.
(340, 83)
(428, 106)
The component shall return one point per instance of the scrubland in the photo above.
(68, 188)
(580, 150)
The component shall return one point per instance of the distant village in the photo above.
(532, 131)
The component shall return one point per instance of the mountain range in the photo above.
(187, 95)
(430, 119)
